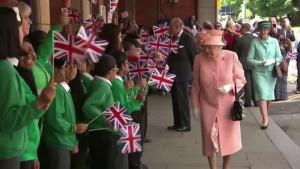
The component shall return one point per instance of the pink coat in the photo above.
(208, 75)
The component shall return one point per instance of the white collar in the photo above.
(119, 77)
(103, 79)
(14, 61)
(65, 86)
(88, 75)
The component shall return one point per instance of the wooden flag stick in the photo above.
(95, 118)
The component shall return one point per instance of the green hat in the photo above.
(263, 25)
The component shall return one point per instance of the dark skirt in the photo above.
(281, 88)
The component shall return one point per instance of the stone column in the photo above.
(42, 15)
(207, 10)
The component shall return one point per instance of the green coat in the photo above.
(87, 81)
(99, 98)
(42, 70)
(60, 121)
(261, 50)
(17, 109)
(120, 94)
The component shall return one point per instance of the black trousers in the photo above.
(11, 163)
(249, 91)
(180, 102)
(144, 114)
(59, 158)
(134, 159)
(298, 74)
(79, 160)
(105, 153)
(27, 164)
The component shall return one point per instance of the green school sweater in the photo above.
(60, 121)
(99, 98)
(42, 70)
(87, 80)
(17, 109)
(120, 94)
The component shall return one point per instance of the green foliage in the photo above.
(264, 8)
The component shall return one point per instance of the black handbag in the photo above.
(238, 109)
(277, 71)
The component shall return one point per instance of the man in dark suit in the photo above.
(181, 65)
(242, 46)
(286, 31)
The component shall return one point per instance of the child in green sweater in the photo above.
(105, 153)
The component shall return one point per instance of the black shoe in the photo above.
(172, 128)
(264, 127)
(146, 140)
(143, 166)
(183, 129)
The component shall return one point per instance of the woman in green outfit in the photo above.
(18, 105)
(264, 54)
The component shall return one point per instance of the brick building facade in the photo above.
(146, 12)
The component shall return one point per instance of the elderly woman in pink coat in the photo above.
(215, 73)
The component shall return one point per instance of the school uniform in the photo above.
(87, 80)
(105, 153)
(17, 109)
(120, 94)
(78, 92)
(30, 154)
(59, 129)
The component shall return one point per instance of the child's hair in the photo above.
(120, 58)
(105, 64)
(36, 38)
(60, 62)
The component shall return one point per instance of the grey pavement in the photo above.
(175, 150)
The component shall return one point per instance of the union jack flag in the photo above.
(113, 5)
(163, 80)
(93, 24)
(161, 30)
(159, 65)
(69, 47)
(163, 45)
(144, 35)
(138, 70)
(291, 56)
(145, 56)
(117, 116)
(73, 15)
(131, 138)
(94, 47)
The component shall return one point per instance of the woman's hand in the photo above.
(225, 88)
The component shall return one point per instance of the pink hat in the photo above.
(211, 37)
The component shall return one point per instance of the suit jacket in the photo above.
(181, 63)
(242, 46)
(289, 34)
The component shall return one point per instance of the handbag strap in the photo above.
(235, 92)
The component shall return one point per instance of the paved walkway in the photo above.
(175, 150)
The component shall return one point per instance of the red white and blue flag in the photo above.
(113, 4)
(138, 70)
(131, 138)
(145, 56)
(158, 64)
(162, 80)
(163, 45)
(69, 47)
(93, 24)
(291, 56)
(74, 16)
(117, 116)
(94, 46)
(144, 35)
(161, 30)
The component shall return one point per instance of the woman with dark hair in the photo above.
(18, 105)
(112, 34)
